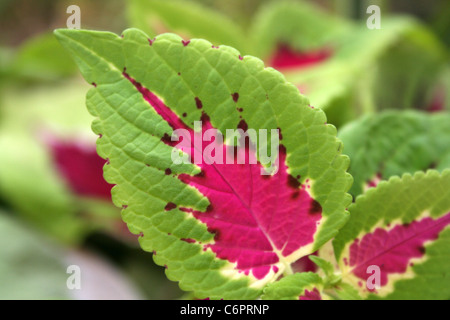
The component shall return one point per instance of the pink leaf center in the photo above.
(255, 218)
(392, 250)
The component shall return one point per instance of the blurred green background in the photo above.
(55, 208)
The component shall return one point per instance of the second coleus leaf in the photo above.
(397, 240)
(223, 230)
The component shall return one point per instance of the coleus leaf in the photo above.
(401, 227)
(297, 286)
(395, 142)
(223, 231)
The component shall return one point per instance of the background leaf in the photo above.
(33, 127)
(187, 18)
(25, 257)
(34, 267)
(301, 25)
(401, 226)
(42, 58)
(392, 143)
(365, 73)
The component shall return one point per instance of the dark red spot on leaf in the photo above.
(188, 240)
(292, 182)
(242, 125)
(166, 139)
(201, 174)
(198, 103)
(280, 136)
(170, 206)
(315, 208)
(204, 118)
